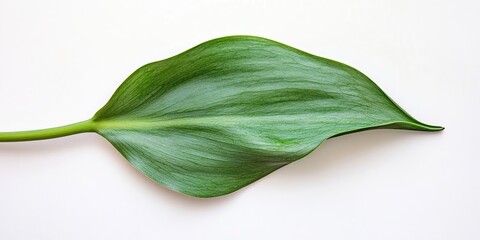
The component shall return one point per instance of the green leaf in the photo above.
(232, 110)
(229, 111)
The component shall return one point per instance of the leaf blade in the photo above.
(232, 110)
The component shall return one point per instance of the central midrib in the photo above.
(99, 125)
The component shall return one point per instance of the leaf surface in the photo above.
(227, 112)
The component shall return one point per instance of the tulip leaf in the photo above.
(229, 111)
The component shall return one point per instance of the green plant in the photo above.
(231, 110)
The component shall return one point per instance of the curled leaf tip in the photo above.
(433, 128)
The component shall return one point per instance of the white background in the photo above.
(60, 61)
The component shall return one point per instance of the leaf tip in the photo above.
(430, 128)
(437, 128)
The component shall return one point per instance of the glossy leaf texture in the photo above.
(229, 111)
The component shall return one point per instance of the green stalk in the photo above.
(80, 127)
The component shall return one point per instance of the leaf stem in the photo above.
(80, 127)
